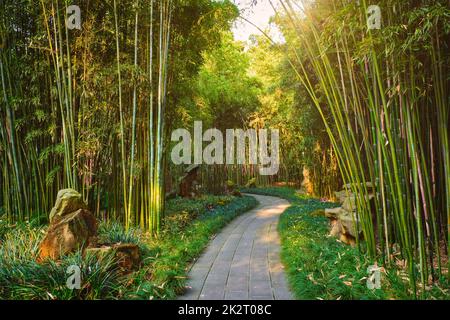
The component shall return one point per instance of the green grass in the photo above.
(21, 277)
(165, 272)
(321, 267)
(189, 226)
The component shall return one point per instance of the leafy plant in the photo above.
(321, 267)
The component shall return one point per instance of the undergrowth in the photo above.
(188, 228)
(321, 267)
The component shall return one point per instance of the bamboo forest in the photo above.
(224, 150)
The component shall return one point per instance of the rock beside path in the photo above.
(67, 234)
(73, 227)
(343, 220)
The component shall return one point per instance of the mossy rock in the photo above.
(68, 234)
(348, 221)
(334, 213)
(342, 195)
(67, 201)
(349, 186)
(349, 203)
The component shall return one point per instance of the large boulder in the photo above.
(348, 222)
(67, 201)
(343, 224)
(333, 213)
(349, 203)
(336, 228)
(67, 234)
(339, 231)
(343, 220)
(342, 195)
(350, 186)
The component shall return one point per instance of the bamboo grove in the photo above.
(388, 102)
(63, 87)
(92, 109)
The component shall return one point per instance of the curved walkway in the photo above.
(243, 260)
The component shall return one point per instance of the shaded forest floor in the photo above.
(318, 266)
(188, 227)
(321, 267)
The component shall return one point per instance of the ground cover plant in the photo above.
(321, 267)
(353, 95)
(165, 260)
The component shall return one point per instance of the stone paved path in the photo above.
(243, 260)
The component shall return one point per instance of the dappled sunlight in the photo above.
(141, 140)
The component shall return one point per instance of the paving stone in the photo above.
(239, 279)
(260, 276)
(236, 295)
(238, 285)
(282, 293)
(199, 270)
(260, 286)
(242, 261)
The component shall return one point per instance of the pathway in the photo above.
(243, 260)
